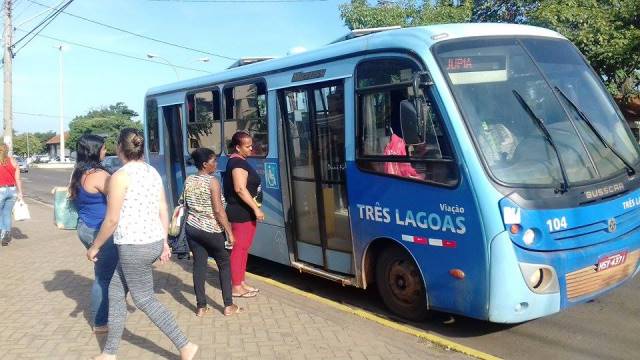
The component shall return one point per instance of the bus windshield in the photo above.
(538, 113)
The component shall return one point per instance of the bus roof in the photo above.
(397, 38)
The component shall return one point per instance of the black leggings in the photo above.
(205, 244)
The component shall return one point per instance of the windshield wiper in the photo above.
(583, 116)
(564, 186)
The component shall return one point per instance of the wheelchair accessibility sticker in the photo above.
(270, 175)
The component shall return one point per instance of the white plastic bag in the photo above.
(21, 211)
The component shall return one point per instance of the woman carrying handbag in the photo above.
(10, 191)
(205, 227)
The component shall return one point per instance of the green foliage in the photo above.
(34, 145)
(607, 32)
(503, 11)
(358, 14)
(106, 121)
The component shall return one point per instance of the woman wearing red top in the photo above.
(10, 190)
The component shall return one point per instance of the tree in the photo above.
(106, 121)
(503, 11)
(358, 14)
(607, 32)
(35, 145)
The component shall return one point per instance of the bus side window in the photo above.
(203, 122)
(246, 109)
(153, 126)
(382, 85)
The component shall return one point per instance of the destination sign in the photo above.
(475, 63)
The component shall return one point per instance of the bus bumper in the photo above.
(510, 300)
(578, 280)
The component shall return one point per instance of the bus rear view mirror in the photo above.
(409, 123)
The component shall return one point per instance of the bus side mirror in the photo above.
(409, 123)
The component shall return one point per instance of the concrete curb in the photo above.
(52, 165)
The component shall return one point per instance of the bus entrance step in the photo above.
(344, 280)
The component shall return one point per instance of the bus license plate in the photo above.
(611, 261)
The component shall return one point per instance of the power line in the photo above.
(50, 16)
(40, 115)
(140, 35)
(118, 53)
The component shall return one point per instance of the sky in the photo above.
(92, 78)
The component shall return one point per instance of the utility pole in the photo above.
(7, 37)
(60, 47)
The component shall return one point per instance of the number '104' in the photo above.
(556, 224)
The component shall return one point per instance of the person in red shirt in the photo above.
(10, 191)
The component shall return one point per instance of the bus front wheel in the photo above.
(400, 284)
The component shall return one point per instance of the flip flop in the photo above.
(252, 289)
(237, 310)
(248, 294)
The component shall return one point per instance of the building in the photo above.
(53, 146)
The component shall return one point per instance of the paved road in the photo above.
(37, 183)
(606, 328)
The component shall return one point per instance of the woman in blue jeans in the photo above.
(88, 190)
(10, 191)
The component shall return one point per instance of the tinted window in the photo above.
(203, 126)
(246, 109)
(153, 141)
(381, 147)
(385, 72)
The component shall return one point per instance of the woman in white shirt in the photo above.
(137, 216)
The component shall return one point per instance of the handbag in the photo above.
(64, 210)
(21, 211)
(178, 218)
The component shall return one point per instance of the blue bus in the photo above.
(475, 169)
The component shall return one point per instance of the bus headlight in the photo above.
(529, 236)
(541, 279)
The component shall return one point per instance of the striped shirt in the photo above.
(197, 195)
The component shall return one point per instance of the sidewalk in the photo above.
(44, 301)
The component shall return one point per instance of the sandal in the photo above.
(248, 294)
(200, 312)
(251, 288)
(236, 310)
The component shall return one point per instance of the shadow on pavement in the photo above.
(78, 288)
(17, 234)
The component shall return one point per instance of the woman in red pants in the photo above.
(241, 185)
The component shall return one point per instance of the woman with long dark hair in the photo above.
(241, 188)
(205, 227)
(10, 191)
(88, 190)
(138, 218)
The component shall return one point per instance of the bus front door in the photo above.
(173, 152)
(315, 147)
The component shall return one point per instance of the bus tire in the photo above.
(400, 284)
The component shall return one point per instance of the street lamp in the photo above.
(151, 56)
(62, 157)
